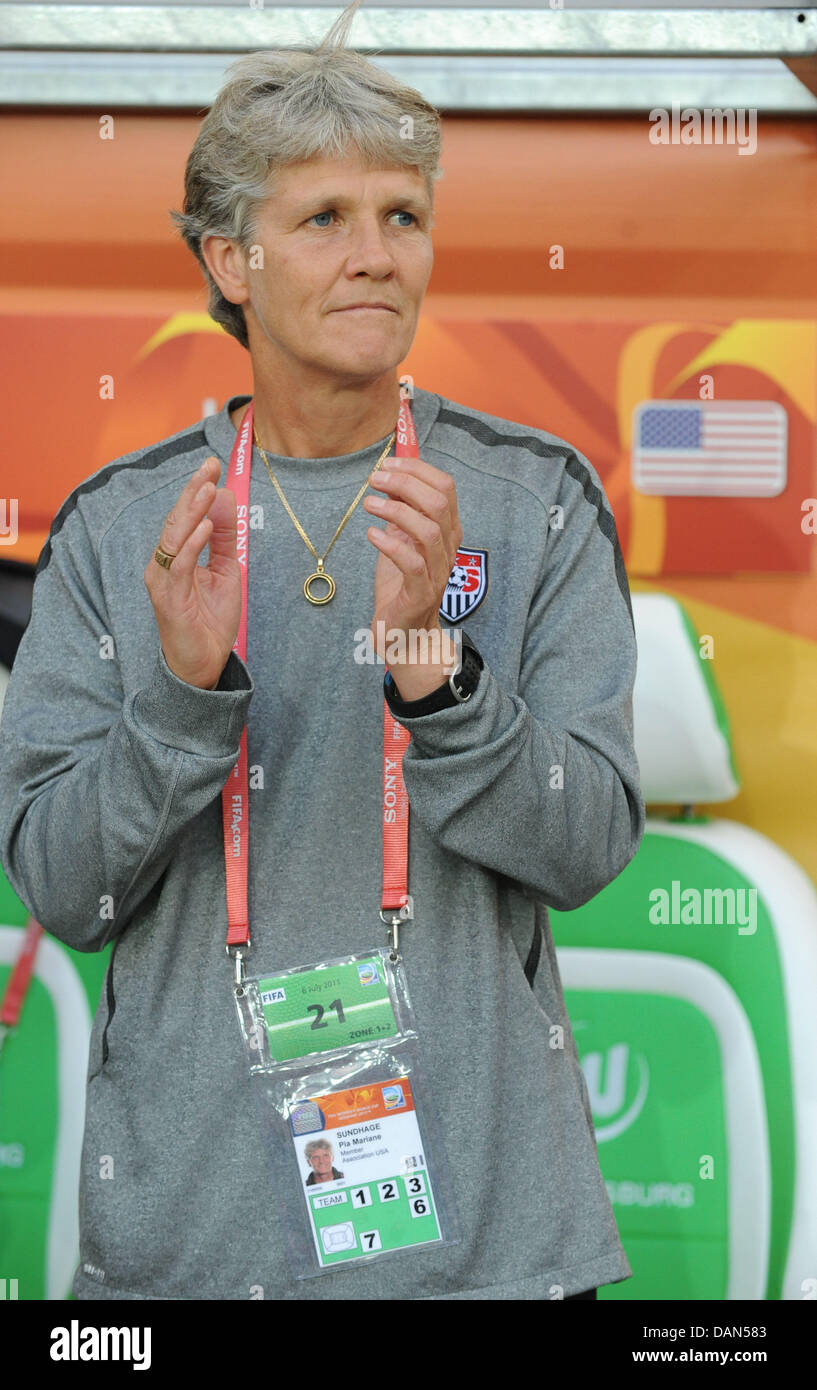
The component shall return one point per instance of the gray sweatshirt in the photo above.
(526, 796)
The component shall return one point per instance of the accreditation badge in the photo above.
(357, 1157)
(380, 1195)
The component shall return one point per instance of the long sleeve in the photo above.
(98, 786)
(542, 785)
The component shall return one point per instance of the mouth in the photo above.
(366, 309)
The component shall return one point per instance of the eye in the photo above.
(398, 212)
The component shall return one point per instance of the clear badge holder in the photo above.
(358, 1163)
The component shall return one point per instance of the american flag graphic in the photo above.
(709, 448)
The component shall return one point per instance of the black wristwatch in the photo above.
(457, 689)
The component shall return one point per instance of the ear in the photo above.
(226, 263)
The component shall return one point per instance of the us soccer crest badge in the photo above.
(467, 585)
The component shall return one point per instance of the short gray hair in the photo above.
(314, 1144)
(280, 107)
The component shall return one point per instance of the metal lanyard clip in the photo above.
(238, 953)
(393, 921)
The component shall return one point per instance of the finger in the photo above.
(434, 505)
(179, 578)
(395, 531)
(431, 500)
(223, 513)
(411, 564)
(434, 477)
(427, 534)
(431, 476)
(437, 504)
(189, 508)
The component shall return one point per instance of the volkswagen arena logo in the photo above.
(617, 1084)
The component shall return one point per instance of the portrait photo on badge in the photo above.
(318, 1162)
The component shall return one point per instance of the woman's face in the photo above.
(321, 1161)
(333, 234)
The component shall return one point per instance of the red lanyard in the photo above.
(396, 903)
(19, 979)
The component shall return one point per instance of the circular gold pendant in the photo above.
(320, 598)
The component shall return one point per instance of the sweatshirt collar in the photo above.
(323, 473)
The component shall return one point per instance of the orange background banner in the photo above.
(678, 261)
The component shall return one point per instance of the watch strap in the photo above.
(456, 691)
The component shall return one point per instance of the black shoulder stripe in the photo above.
(486, 435)
(607, 526)
(152, 459)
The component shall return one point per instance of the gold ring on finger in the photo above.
(163, 558)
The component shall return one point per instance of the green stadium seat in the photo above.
(690, 984)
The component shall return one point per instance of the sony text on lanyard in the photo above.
(396, 904)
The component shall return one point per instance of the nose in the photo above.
(368, 249)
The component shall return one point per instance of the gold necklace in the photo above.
(320, 572)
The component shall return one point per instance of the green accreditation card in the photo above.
(308, 1011)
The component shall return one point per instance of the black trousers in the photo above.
(588, 1293)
